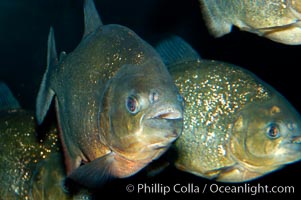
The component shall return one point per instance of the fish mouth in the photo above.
(293, 144)
(296, 140)
(169, 114)
(166, 123)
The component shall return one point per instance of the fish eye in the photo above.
(132, 104)
(273, 131)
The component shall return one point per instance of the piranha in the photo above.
(30, 168)
(236, 127)
(117, 105)
(277, 20)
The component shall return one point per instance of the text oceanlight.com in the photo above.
(191, 188)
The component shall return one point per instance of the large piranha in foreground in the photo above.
(236, 127)
(117, 105)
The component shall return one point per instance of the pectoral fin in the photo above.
(95, 173)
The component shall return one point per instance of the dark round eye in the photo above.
(273, 131)
(132, 104)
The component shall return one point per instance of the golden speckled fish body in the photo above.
(22, 156)
(236, 127)
(277, 20)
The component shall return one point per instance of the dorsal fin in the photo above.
(7, 99)
(92, 19)
(175, 49)
(45, 94)
(52, 58)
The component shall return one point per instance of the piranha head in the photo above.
(265, 137)
(144, 112)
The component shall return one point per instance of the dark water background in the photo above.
(24, 26)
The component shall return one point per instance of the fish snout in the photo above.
(167, 106)
(165, 122)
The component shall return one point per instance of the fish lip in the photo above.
(168, 113)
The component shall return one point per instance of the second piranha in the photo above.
(236, 127)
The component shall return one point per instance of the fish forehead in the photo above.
(214, 93)
(113, 45)
(96, 60)
(147, 80)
